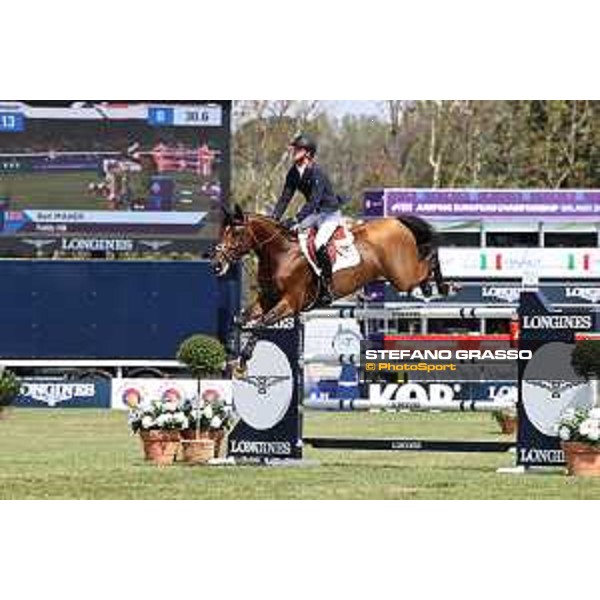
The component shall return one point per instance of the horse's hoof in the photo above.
(240, 371)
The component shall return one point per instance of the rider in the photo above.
(322, 208)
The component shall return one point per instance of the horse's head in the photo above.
(236, 241)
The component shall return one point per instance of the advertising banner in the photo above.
(61, 393)
(128, 393)
(515, 262)
(573, 205)
(497, 292)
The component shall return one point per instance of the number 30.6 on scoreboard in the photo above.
(11, 121)
(185, 116)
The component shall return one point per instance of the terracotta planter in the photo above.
(217, 436)
(160, 447)
(582, 459)
(196, 447)
(508, 423)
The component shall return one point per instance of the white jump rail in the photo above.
(418, 312)
(361, 404)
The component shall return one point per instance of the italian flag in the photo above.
(495, 263)
(575, 262)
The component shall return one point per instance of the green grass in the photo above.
(73, 453)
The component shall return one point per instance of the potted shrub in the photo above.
(586, 359)
(209, 419)
(507, 419)
(9, 389)
(204, 355)
(579, 431)
(159, 424)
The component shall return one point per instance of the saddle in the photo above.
(342, 252)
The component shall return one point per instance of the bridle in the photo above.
(238, 251)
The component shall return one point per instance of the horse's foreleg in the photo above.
(280, 311)
(252, 313)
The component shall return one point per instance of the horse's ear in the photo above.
(238, 213)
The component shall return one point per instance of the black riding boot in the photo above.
(326, 296)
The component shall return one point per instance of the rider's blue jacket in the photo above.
(315, 187)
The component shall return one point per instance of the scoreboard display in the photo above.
(12, 121)
(112, 177)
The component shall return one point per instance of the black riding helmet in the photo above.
(305, 142)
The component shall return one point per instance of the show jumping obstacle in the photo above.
(271, 393)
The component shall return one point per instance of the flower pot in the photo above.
(197, 447)
(218, 436)
(508, 423)
(197, 451)
(582, 459)
(160, 447)
(194, 434)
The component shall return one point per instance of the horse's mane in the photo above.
(284, 231)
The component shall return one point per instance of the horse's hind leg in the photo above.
(436, 269)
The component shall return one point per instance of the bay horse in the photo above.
(402, 250)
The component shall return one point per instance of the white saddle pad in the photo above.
(347, 254)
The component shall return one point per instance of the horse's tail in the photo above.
(427, 240)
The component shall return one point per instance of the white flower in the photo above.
(216, 423)
(208, 412)
(163, 420)
(594, 413)
(145, 405)
(147, 422)
(584, 428)
(185, 423)
(171, 406)
(594, 435)
(564, 433)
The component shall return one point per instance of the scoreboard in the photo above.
(12, 121)
(155, 173)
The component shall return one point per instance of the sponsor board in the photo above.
(494, 263)
(216, 390)
(30, 246)
(497, 292)
(96, 244)
(439, 393)
(58, 393)
(424, 392)
(129, 393)
(267, 399)
(590, 294)
(574, 205)
(549, 383)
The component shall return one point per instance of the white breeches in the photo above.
(326, 224)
